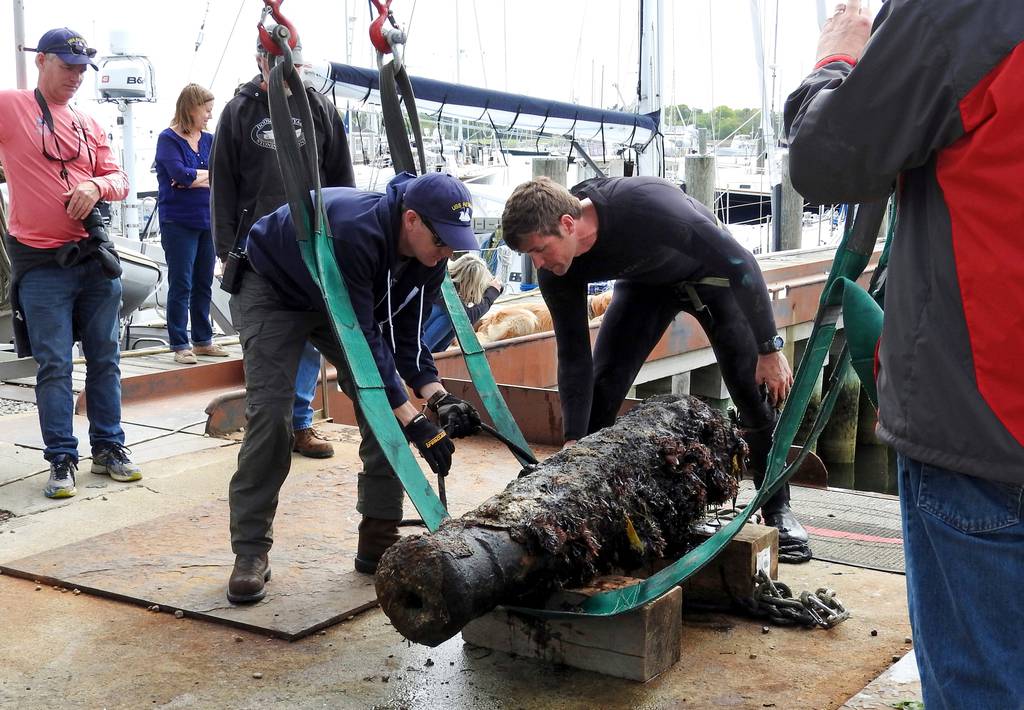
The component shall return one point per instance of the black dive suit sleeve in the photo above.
(566, 299)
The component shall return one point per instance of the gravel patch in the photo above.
(13, 406)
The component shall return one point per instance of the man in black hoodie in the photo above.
(391, 250)
(244, 175)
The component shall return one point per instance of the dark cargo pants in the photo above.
(636, 319)
(273, 338)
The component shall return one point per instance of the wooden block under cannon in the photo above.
(732, 572)
(637, 645)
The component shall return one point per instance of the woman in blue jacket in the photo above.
(182, 169)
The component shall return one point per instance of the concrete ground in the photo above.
(64, 649)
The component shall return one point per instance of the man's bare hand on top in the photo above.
(774, 373)
(846, 32)
(82, 199)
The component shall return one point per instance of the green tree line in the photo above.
(720, 122)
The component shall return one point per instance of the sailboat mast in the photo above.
(649, 87)
(767, 130)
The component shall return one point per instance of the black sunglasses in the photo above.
(438, 242)
(78, 47)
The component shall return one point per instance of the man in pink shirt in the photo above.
(66, 277)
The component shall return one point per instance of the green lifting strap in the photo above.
(312, 231)
(402, 159)
(480, 371)
(373, 401)
(851, 259)
(862, 321)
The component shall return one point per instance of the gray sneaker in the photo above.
(114, 462)
(62, 478)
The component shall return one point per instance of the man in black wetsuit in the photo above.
(659, 244)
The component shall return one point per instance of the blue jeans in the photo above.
(305, 387)
(963, 538)
(190, 258)
(60, 307)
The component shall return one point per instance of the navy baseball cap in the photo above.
(445, 202)
(68, 45)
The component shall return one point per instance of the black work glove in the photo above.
(456, 416)
(432, 442)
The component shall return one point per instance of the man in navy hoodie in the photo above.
(391, 249)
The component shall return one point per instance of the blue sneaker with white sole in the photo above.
(113, 461)
(62, 478)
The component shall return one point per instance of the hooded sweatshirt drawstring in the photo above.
(419, 329)
(391, 317)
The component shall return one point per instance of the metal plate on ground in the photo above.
(19, 394)
(17, 462)
(183, 561)
(147, 443)
(849, 527)
(23, 430)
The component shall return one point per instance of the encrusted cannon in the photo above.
(617, 500)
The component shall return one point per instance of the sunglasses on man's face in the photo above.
(438, 242)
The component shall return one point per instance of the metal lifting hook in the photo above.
(273, 8)
(386, 40)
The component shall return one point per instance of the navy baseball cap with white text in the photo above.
(66, 44)
(446, 204)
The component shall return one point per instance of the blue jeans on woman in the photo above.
(305, 388)
(60, 307)
(190, 258)
(963, 538)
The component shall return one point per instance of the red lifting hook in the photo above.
(376, 27)
(273, 7)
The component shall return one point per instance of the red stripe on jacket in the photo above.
(982, 179)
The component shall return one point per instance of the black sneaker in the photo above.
(62, 478)
(113, 461)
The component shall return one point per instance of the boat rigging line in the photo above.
(227, 44)
(199, 39)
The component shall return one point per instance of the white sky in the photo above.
(568, 50)
(554, 49)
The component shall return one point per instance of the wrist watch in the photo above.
(772, 345)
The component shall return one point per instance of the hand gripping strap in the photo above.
(480, 371)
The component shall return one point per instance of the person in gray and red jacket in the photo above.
(932, 103)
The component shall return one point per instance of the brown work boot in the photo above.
(248, 579)
(375, 536)
(309, 442)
